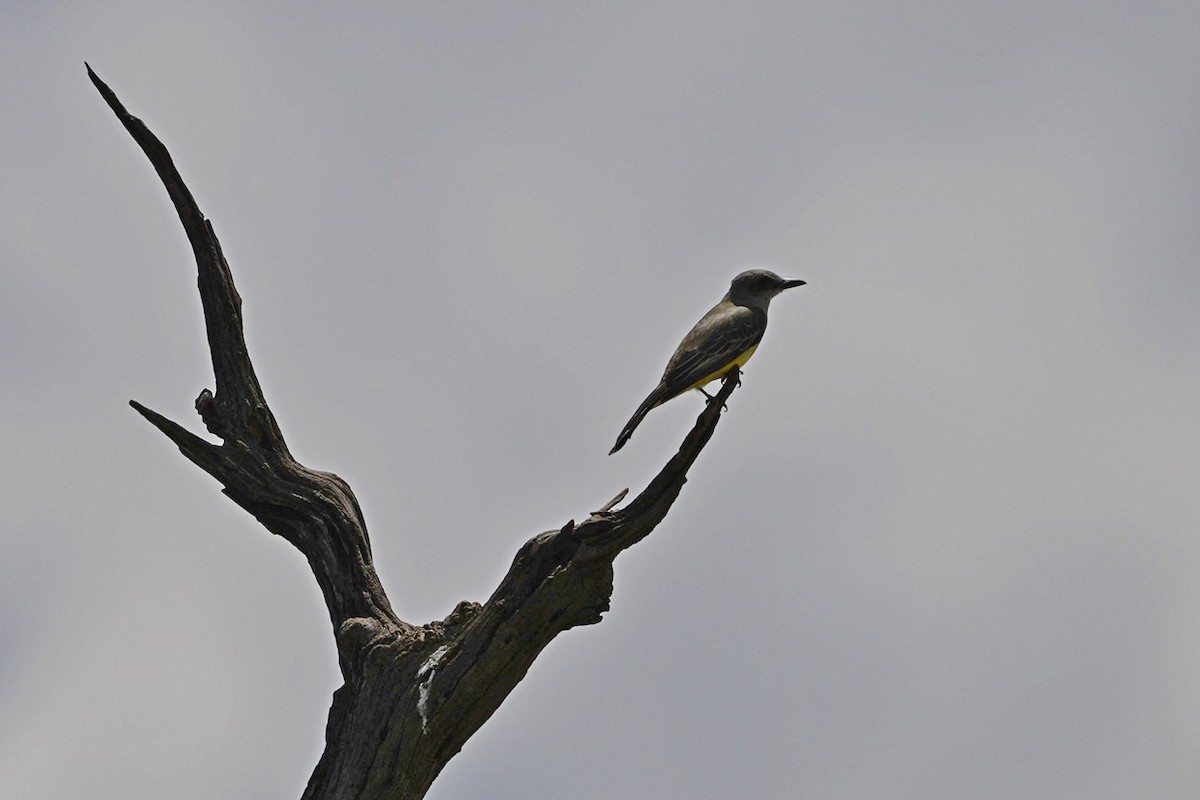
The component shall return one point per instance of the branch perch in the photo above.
(413, 695)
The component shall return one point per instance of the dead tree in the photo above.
(413, 694)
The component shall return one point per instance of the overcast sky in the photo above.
(944, 544)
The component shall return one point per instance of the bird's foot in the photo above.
(724, 406)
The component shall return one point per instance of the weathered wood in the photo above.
(413, 695)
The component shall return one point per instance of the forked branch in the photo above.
(412, 695)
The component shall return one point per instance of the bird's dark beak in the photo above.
(790, 284)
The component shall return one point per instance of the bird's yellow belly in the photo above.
(737, 362)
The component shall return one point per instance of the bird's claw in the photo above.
(735, 375)
(724, 406)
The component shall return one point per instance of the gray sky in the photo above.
(943, 544)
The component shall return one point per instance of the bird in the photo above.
(724, 338)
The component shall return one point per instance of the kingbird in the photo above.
(724, 338)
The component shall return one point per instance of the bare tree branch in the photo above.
(239, 401)
(412, 695)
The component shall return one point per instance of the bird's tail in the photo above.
(650, 402)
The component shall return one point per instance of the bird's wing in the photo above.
(719, 338)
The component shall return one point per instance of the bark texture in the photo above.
(412, 694)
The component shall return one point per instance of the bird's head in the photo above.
(756, 287)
